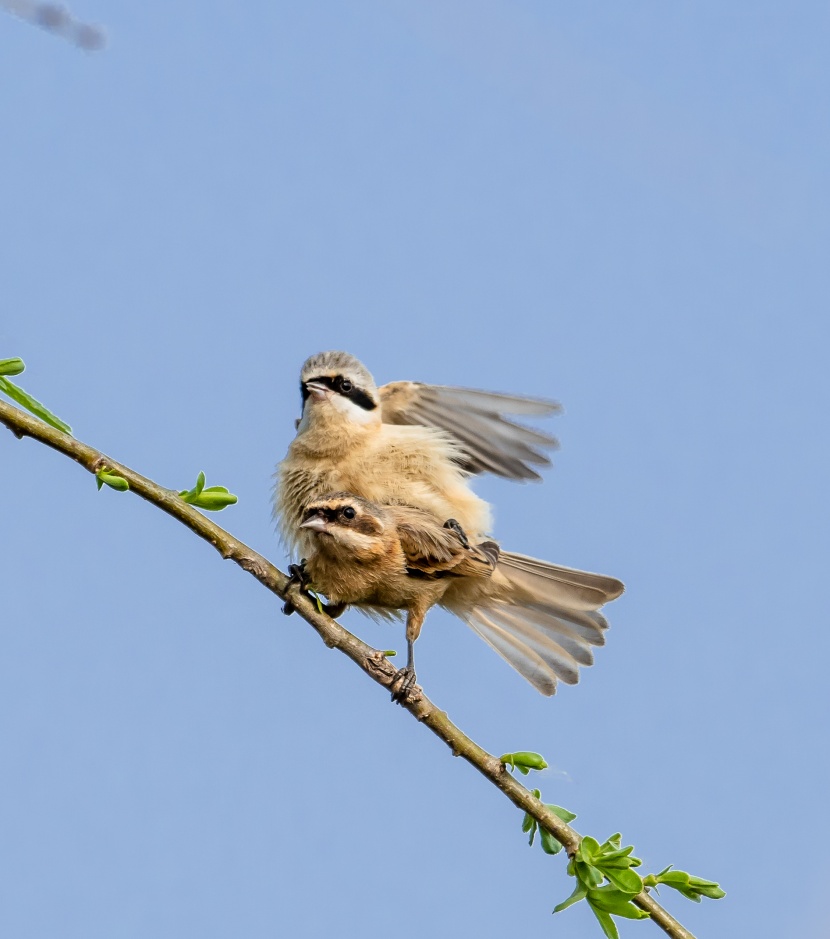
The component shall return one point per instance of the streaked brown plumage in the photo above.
(405, 443)
(542, 619)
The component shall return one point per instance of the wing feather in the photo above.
(489, 441)
(431, 548)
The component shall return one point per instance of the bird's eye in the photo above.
(348, 512)
(345, 385)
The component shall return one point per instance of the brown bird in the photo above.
(542, 619)
(405, 443)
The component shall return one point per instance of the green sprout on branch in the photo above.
(25, 400)
(524, 761)
(530, 826)
(106, 477)
(213, 499)
(693, 888)
(605, 875)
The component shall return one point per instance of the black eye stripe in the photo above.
(360, 398)
(323, 511)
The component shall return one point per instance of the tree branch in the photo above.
(372, 661)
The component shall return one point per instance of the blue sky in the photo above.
(620, 207)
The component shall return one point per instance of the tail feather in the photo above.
(550, 649)
(560, 630)
(541, 618)
(529, 664)
(578, 590)
(584, 626)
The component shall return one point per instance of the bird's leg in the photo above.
(297, 577)
(455, 526)
(404, 680)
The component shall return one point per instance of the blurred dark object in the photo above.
(57, 19)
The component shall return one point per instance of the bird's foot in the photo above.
(297, 577)
(455, 526)
(402, 684)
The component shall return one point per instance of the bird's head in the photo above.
(337, 389)
(343, 522)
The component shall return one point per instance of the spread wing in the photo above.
(434, 551)
(491, 442)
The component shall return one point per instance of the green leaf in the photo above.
(609, 927)
(620, 854)
(213, 501)
(113, 480)
(588, 850)
(612, 844)
(524, 761)
(620, 860)
(589, 875)
(550, 845)
(11, 366)
(32, 404)
(693, 888)
(626, 880)
(707, 888)
(578, 894)
(610, 900)
(564, 814)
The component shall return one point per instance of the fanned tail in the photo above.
(541, 618)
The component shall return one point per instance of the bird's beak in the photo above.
(315, 523)
(316, 390)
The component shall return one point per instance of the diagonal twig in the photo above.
(372, 661)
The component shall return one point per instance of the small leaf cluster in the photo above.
(23, 398)
(549, 844)
(693, 888)
(604, 877)
(212, 499)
